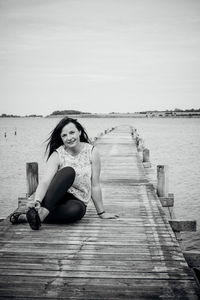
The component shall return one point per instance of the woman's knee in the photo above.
(66, 173)
(76, 210)
(71, 211)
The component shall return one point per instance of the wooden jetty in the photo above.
(134, 257)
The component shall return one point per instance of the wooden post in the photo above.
(22, 203)
(140, 144)
(133, 131)
(162, 181)
(183, 225)
(31, 177)
(146, 155)
(192, 257)
(167, 201)
(145, 160)
(137, 140)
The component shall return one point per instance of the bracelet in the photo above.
(101, 213)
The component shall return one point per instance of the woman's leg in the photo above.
(58, 187)
(69, 211)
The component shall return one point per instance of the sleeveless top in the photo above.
(82, 164)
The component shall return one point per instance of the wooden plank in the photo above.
(76, 273)
(61, 289)
(98, 256)
(38, 262)
(91, 267)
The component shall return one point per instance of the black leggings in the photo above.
(63, 206)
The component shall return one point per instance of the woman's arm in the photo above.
(51, 169)
(96, 188)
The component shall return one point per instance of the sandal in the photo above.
(14, 218)
(33, 218)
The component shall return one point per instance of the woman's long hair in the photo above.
(55, 141)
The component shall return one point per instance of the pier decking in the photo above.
(133, 257)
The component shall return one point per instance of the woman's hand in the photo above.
(108, 216)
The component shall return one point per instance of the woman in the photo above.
(71, 178)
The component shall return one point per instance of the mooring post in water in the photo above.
(146, 155)
(140, 144)
(31, 177)
(162, 180)
(145, 159)
(133, 132)
(31, 182)
(136, 137)
(166, 198)
(192, 257)
(183, 225)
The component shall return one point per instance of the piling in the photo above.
(31, 177)
(162, 181)
(146, 158)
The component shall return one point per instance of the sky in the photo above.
(99, 56)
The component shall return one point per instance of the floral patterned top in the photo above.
(82, 164)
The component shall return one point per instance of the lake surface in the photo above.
(172, 141)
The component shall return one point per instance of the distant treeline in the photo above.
(16, 116)
(9, 116)
(187, 110)
(67, 112)
(166, 112)
(175, 110)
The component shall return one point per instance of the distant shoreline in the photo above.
(122, 116)
(118, 115)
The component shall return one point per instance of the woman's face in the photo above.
(70, 135)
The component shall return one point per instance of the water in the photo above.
(174, 142)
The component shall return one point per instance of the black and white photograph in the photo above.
(99, 149)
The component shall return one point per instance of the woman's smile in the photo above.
(71, 142)
(70, 136)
